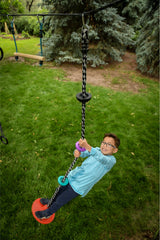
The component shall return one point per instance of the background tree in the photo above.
(109, 35)
(147, 50)
(131, 10)
(9, 6)
(29, 4)
(32, 5)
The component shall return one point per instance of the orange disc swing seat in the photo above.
(37, 206)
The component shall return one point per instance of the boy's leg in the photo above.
(45, 201)
(66, 195)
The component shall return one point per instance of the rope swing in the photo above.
(83, 97)
(35, 57)
(41, 57)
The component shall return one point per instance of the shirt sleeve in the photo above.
(107, 160)
(85, 154)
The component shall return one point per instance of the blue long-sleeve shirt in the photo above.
(83, 178)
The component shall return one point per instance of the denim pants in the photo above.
(65, 194)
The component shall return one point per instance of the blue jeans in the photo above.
(65, 194)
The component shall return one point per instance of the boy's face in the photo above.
(108, 146)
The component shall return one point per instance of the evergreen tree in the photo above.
(147, 50)
(132, 10)
(109, 35)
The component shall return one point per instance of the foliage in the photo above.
(32, 6)
(29, 25)
(132, 10)
(25, 34)
(147, 50)
(41, 118)
(7, 7)
(109, 35)
(30, 46)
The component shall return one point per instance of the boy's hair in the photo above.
(116, 139)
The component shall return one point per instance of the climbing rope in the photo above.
(41, 33)
(83, 98)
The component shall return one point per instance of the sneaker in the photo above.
(44, 201)
(42, 215)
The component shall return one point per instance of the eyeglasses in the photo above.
(108, 144)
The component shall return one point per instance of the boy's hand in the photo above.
(83, 143)
(77, 153)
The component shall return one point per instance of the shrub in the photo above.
(29, 25)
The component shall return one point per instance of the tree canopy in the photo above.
(132, 24)
(109, 34)
(9, 6)
(147, 50)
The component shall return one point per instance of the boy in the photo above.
(99, 161)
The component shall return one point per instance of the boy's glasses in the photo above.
(108, 144)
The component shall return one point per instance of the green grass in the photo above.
(41, 118)
(28, 46)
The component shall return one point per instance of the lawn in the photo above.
(30, 46)
(41, 119)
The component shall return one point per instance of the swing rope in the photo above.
(13, 34)
(41, 32)
(82, 97)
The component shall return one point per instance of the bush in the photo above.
(147, 50)
(29, 25)
(25, 34)
(21, 24)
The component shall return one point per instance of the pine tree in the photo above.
(132, 10)
(147, 50)
(109, 35)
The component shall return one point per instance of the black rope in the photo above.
(84, 71)
(84, 67)
(63, 180)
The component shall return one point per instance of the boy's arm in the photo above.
(77, 153)
(84, 144)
